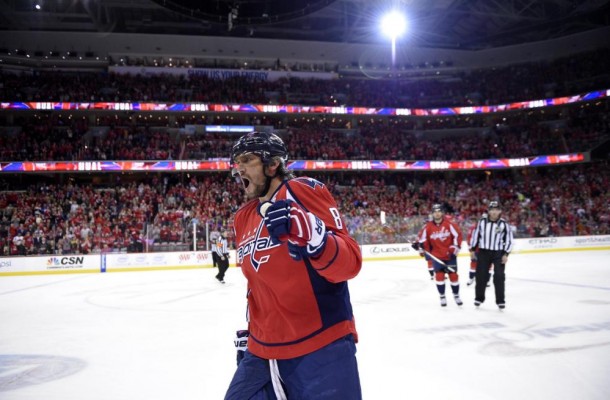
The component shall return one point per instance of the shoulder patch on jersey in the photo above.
(312, 183)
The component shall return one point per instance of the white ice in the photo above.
(169, 334)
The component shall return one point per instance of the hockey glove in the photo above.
(305, 233)
(453, 251)
(418, 247)
(241, 344)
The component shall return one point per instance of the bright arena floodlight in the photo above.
(393, 24)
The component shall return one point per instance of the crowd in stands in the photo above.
(531, 81)
(142, 212)
(520, 135)
(555, 201)
(527, 133)
(146, 212)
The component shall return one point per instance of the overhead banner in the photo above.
(297, 109)
(221, 73)
(297, 165)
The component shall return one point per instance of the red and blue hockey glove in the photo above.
(287, 221)
(241, 344)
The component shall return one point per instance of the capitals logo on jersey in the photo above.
(441, 234)
(253, 245)
(255, 241)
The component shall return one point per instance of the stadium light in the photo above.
(393, 25)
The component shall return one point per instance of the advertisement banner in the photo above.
(151, 261)
(113, 262)
(399, 251)
(49, 264)
(388, 251)
(564, 243)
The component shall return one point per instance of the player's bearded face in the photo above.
(437, 215)
(249, 170)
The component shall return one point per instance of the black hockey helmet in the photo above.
(493, 204)
(266, 145)
(438, 207)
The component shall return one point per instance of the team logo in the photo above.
(440, 235)
(255, 246)
(66, 260)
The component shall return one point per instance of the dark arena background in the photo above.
(117, 120)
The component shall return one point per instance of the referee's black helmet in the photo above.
(493, 204)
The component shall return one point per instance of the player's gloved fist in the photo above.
(241, 343)
(417, 246)
(305, 233)
(453, 251)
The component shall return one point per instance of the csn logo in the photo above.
(71, 260)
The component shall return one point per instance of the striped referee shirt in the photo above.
(221, 246)
(492, 235)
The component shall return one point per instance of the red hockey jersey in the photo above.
(438, 239)
(296, 307)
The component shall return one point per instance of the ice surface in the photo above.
(169, 334)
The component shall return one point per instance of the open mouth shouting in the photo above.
(252, 189)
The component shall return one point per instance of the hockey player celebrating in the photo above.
(296, 254)
(441, 240)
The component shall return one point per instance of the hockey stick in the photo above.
(438, 260)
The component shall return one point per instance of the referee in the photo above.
(222, 252)
(494, 240)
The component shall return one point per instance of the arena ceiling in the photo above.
(463, 24)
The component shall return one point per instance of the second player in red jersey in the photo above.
(441, 239)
